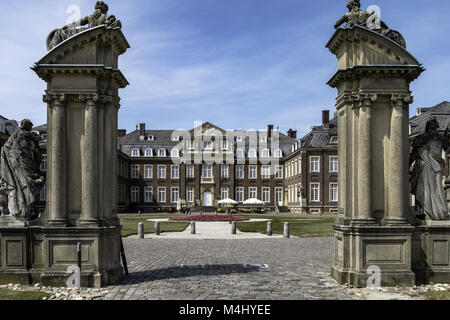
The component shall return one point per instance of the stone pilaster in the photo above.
(89, 214)
(57, 192)
(398, 162)
(364, 159)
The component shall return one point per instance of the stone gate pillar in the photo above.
(373, 83)
(83, 81)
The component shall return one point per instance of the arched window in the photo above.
(175, 153)
(278, 153)
(252, 153)
(135, 152)
(149, 152)
(265, 153)
(162, 153)
(239, 153)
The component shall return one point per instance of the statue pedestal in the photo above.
(9, 222)
(431, 252)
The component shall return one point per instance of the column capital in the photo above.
(54, 99)
(363, 98)
(400, 99)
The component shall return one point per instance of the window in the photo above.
(263, 139)
(240, 172)
(43, 195)
(334, 195)
(175, 194)
(2, 127)
(314, 164)
(175, 153)
(240, 194)
(225, 172)
(295, 168)
(148, 172)
(252, 153)
(334, 140)
(239, 153)
(334, 164)
(253, 192)
(315, 188)
(161, 172)
(239, 138)
(252, 174)
(190, 171)
(134, 194)
(265, 153)
(43, 136)
(224, 193)
(44, 163)
(135, 171)
(278, 153)
(190, 145)
(265, 172)
(207, 172)
(190, 194)
(279, 196)
(224, 145)
(176, 138)
(162, 153)
(151, 138)
(266, 194)
(314, 211)
(149, 153)
(135, 153)
(161, 195)
(148, 194)
(279, 172)
(175, 172)
(207, 145)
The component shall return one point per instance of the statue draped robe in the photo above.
(426, 179)
(20, 176)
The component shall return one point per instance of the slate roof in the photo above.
(440, 112)
(319, 136)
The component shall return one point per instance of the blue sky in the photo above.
(241, 64)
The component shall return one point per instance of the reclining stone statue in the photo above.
(366, 19)
(426, 177)
(98, 18)
(21, 179)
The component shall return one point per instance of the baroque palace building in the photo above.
(156, 168)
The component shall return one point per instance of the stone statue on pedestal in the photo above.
(356, 16)
(20, 177)
(98, 18)
(426, 177)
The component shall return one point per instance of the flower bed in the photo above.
(209, 217)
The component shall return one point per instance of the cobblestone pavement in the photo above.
(298, 269)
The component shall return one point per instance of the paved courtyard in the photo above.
(297, 269)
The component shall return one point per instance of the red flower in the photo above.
(207, 218)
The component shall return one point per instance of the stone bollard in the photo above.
(286, 230)
(141, 230)
(192, 227)
(233, 227)
(157, 229)
(269, 228)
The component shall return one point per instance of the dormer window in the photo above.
(240, 153)
(263, 139)
(265, 153)
(149, 152)
(252, 153)
(278, 153)
(239, 138)
(44, 137)
(334, 140)
(190, 145)
(151, 138)
(162, 153)
(176, 138)
(175, 153)
(225, 145)
(135, 152)
(207, 145)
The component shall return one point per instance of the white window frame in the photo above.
(225, 171)
(265, 153)
(159, 171)
(278, 153)
(177, 175)
(240, 196)
(172, 190)
(135, 173)
(148, 168)
(225, 145)
(312, 168)
(148, 153)
(148, 194)
(240, 169)
(250, 172)
(135, 153)
(134, 194)
(279, 172)
(265, 192)
(175, 153)
(207, 171)
(332, 186)
(163, 193)
(44, 162)
(312, 192)
(225, 193)
(334, 163)
(190, 169)
(240, 153)
(252, 153)
(265, 172)
(162, 153)
(252, 190)
(190, 192)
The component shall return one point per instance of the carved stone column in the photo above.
(58, 163)
(399, 144)
(89, 214)
(364, 160)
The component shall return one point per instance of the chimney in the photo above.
(121, 133)
(326, 119)
(292, 134)
(269, 131)
(142, 131)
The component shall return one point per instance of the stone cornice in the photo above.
(47, 71)
(409, 72)
(99, 35)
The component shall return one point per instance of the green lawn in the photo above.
(130, 224)
(304, 226)
(6, 294)
(437, 295)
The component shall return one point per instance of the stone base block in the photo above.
(30, 255)
(363, 252)
(431, 252)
